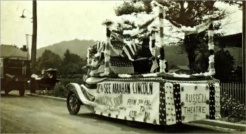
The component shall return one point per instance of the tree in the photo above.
(133, 6)
(72, 63)
(128, 8)
(223, 65)
(49, 60)
(187, 13)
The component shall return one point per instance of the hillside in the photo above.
(75, 46)
(80, 47)
(171, 52)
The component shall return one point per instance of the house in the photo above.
(233, 40)
(233, 44)
(13, 52)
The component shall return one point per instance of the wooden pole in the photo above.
(243, 45)
(34, 46)
(34, 37)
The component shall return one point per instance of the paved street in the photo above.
(40, 115)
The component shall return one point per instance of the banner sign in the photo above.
(136, 101)
(195, 101)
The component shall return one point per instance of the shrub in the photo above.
(232, 108)
(60, 90)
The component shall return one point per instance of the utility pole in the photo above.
(34, 45)
(34, 37)
(243, 45)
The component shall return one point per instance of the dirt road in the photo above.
(39, 115)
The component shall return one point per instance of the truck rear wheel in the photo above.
(22, 92)
(22, 89)
(6, 91)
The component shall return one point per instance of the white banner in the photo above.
(29, 46)
(194, 98)
(137, 101)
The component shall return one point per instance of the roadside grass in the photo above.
(232, 110)
(232, 120)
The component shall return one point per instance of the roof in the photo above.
(234, 40)
(9, 51)
(184, 67)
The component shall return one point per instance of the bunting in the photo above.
(196, 29)
(122, 49)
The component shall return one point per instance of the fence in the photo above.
(236, 90)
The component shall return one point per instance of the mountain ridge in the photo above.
(75, 46)
(80, 47)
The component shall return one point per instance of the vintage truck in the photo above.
(139, 88)
(15, 69)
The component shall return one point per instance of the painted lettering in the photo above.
(132, 114)
(195, 98)
(194, 109)
(118, 100)
(121, 88)
(140, 101)
(131, 102)
(147, 115)
(143, 88)
(142, 109)
(147, 102)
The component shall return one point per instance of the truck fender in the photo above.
(76, 89)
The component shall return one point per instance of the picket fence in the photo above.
(236, 90)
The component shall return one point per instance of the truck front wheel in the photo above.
(73, 103)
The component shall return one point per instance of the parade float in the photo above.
(126, 82)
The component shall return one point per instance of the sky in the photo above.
(67, 20)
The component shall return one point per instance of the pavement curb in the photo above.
(225, 130)
(222, 124)
(45, 96)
